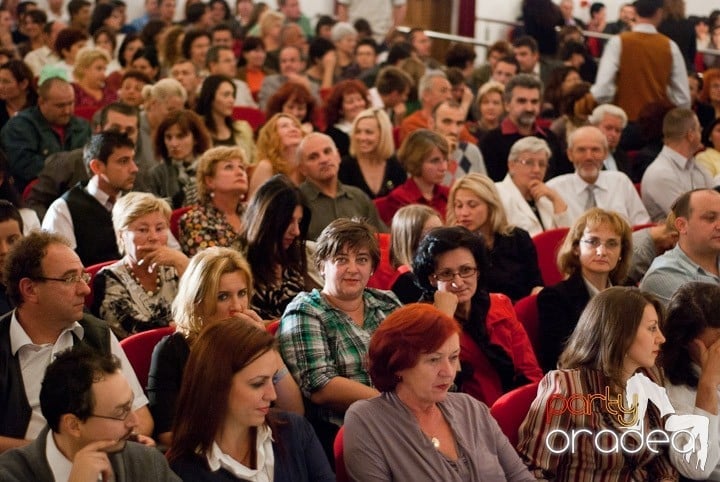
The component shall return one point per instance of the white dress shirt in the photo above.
(614, 191)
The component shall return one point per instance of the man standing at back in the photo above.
(383, 15)
(642, 66)
(50, 127)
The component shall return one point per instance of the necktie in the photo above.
(590, 197)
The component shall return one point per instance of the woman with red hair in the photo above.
(296, 100)
(710, 93)
(346, 100)
(413, 357)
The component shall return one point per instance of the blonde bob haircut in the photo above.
(568, 260)
(268, 20)
(86, 58)
(417, 146)
(407, 231)
(488, 88)
(163, 89)
(199, 285)
(207, 166)
(484, 188)
(386, 146)
(135, 205)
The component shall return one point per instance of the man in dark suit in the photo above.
(87, 403)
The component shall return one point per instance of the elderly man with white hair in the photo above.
(611, 120)
(589, 186)
(529, 203)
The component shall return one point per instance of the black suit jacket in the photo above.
(559, 309)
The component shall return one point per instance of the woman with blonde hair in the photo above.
(135, 293)
(491, 109)
(474, 202)
(371, 164)
(91, 90)
(277, 145)
(221, 185)
(269, 28)
(409, 225)
(217, 284)
(595, 254)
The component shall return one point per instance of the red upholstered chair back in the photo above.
(175, 220)
(338, 450)
(510, 410)
(254, 117)
(92, 271)
(272, 327)
(527, 313)
(384, 274)
(547, 244)
(139, 347)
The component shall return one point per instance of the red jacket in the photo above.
(409, 193)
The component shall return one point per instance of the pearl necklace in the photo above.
(150, 293)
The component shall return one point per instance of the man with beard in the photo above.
(324, 195)
(82, 214)
(589, 186)
(522, 103)
(448, 120)
(47, 283)
(87, 403)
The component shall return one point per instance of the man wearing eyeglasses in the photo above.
(47, 283)
(589, 186)
(87, 403)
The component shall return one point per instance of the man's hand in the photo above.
(91, 463)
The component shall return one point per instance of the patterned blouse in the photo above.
(126, 306)
(270, 301)
(205, 226)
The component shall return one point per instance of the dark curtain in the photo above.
(466, 22)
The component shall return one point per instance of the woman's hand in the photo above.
(251, 317)
(446, 302)
(708, 358)
(152, 257)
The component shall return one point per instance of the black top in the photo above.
(166, 371)
(559, 309)
(514, 267)
(342, 140)
(682, 32)
(406, 289)
(351, 174)
(495, 148)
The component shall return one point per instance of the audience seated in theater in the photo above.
(648, 244)
(68, 43)
(11, 230)
(451, 266)
(674, 171)
(611, 120)
(528, 202)
(296, 100)
(344, 36)
(195, 45)
(590, 186)
(490, 110)
(235, 434)
(324, 334)
(326, 197)
(82, 214)
(146, 61)
(132, 84)
(529, 57)
(474, 203)
(170, 51)
(221, 61)
(47, 283)
(690, 363)
(185, 72)
(424, 155)
(215, 105)
(568, 119)
(422, 47)
(30, 221)
(291, 70)
(448, 120)
(713, 61)
(277, 150)
(629, 60)
(64, 169)
(409, 225)
(268, 28)
(371, 164)
(696, 256)
(496, 51)
(274, 228)
(105, 39)
(595, 254)
(561, 80)
(90, 86)
(160, 99)
(221, 188)
(134, 294)
(505, 69)
(86, 400)
(625, 21)
(710, 157)
(18, 90)
(32, 134)
(44, 55)
(366, 58)
(252, 69)
(413, 358)
(523, 101)
(617, 339)
(180, 139)
(321, 62)
(129, 45)
(696, 83)
(391, 92)
(216, 285)
(646, 137)
(710, 95)
(680, 29)
(346, 100)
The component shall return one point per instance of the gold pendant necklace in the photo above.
(436, 442)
